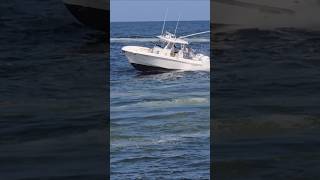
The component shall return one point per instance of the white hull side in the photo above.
(268, 13)
(164, 63)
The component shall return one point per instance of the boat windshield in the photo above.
(169, 45)
(160, 44)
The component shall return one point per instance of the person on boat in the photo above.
(188, 52)
(184, 51)
(175, 49)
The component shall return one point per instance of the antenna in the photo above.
(177, 25)
(164, 21)
(194, 34)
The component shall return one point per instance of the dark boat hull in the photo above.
(145, 68)
(94, 18)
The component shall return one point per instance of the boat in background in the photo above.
(92, 13)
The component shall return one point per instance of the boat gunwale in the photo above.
(177, 59)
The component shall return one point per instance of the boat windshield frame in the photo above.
(173, 40)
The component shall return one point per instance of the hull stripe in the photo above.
(141, 67)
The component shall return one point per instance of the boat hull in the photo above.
(145, 68)
(148, 62)
(94, 14)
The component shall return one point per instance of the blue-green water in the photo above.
(159, 122)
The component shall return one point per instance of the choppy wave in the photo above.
(165, 103)
(140, 142)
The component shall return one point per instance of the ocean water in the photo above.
(53, 102)
(160, 123)
(266, 103)
(52, 94)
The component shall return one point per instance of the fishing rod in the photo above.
(164, 22)
(175, 31)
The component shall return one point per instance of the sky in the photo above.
(155, 10)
